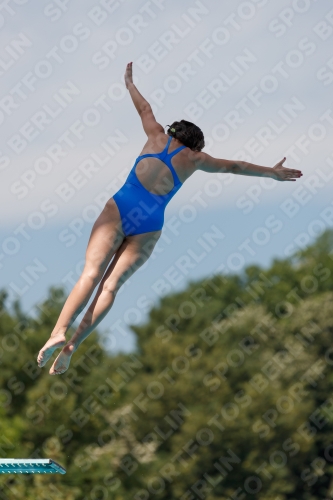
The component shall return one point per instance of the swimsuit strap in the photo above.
(160, 155)
(165, 157)
(165, 150)
(170, 155)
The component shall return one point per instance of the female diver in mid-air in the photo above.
(132, 220)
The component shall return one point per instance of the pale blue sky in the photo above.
(273, 61)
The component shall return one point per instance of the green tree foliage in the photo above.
(229, 395)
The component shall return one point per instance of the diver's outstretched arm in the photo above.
(149, 123)
(208, 163)
(138, 100)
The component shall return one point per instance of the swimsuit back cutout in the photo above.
(165, 157)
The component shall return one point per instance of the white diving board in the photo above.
(30, 466)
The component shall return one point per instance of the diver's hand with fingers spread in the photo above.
(128, 74)
(282, 173)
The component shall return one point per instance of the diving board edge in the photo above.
(30, 466)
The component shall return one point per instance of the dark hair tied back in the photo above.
(188, 133)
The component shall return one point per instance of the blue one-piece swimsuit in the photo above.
(140, 210)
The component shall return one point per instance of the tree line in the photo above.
(228, 395)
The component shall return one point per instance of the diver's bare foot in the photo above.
(61, 363)
(51, 345)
